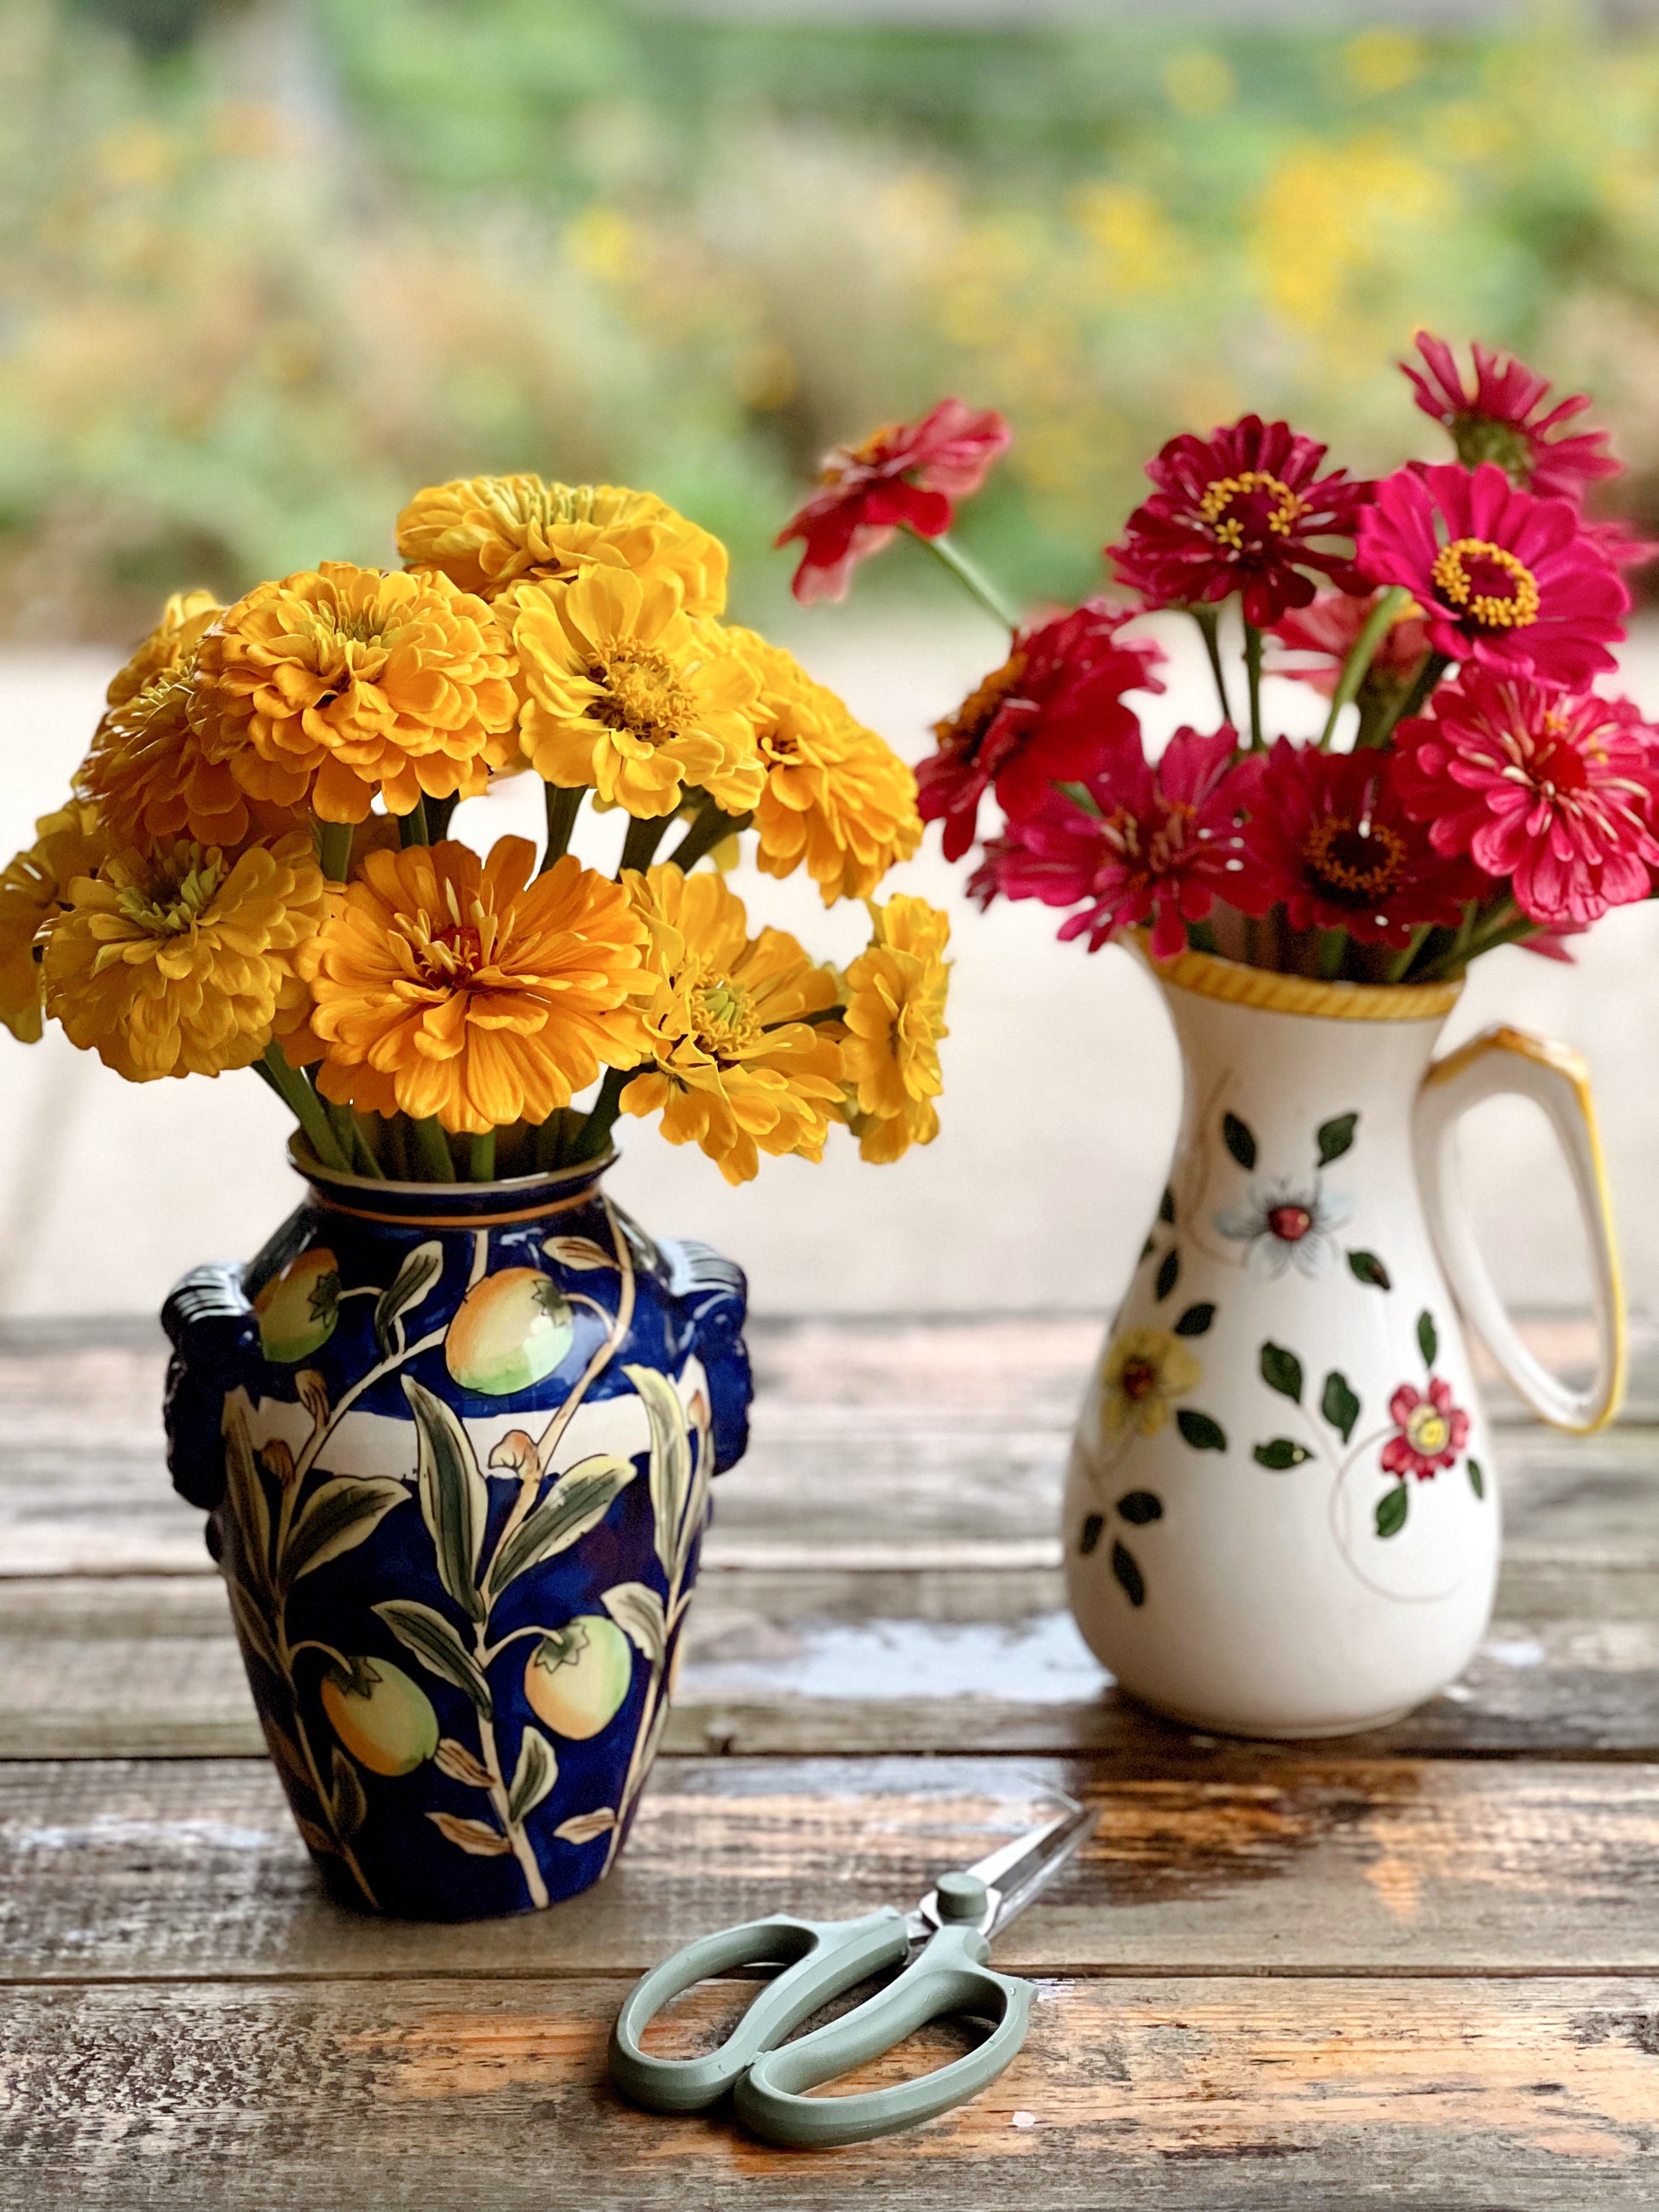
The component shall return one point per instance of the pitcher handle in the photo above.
(1508, 1061)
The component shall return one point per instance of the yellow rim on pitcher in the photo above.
(1213, 977)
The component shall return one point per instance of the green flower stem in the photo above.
(304, 1104)
(810, 1020)
(970, 576)
(1399, 966)
(367, 1158)
(1253, 677)
(413, 828)
(1361, 655)
(645, 833)
(438, 811)
(1503, 925)
(711, 827)
(1209, 628)
(435, 1151)
(595, 1132)
(1332, 951)
(563, 808)
(481, 1158)
(333, 842)
(1435, 666)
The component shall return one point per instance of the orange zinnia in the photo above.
(153, 777)
(457, 987)
(185, 619)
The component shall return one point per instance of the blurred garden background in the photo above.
(268, 265)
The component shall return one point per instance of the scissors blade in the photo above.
(1029, 1863)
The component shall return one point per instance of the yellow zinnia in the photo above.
(631, 697)
(488, 533)
(837, 796)
(448, 986)
(176, 962)
(335, 684)
(896, 994)
(1144, 1370)
(151, 772)
(185, 621)
(33, 890)
(738, 1070)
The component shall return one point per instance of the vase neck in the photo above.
(458, 1206)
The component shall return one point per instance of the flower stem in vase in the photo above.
(1253, 677)
(481, 1157)
(645, 833)
(1358, 664)
(413, 828)
(307, 1107)
(435, 1156)
(563, 808)
(1209, 629)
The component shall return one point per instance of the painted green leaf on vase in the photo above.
(1139, 1507)
(1239, 1140)
(1089, 1535)
(1477, 1479)
(1367, 1267)
(1428, 1337)
(1195, 1320)
(1201, 1431)
(1339, 1405)
(1281, 1371)
(1168, 1267)
(1279, 1454)
(1128, 1574)
(1391, 1509)
(1335, 1137)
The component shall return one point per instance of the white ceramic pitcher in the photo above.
(1282, 1514)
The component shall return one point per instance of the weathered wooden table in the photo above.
(1416, 1968)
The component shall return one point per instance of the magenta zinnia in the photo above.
(1150, 844)
(1556, 792)
(1500, 576)
(1049, 714)
(1243, 510)
(1504, 419)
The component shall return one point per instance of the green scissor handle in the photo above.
(821, 1959)
(949, 1976)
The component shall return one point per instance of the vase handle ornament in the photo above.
(1507, 1061)
(211, 1328)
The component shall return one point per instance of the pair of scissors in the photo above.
(820, 1959)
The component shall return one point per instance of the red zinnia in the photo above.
(1239, 512)
(1329, 629)
(1047, 715)
(903, 477)
(1328, 837)
(1501, 577)
(1429, 1432)
(1159, 848)
(1500, 420)
(1556, 792)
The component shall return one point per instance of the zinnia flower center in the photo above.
(846, 460)
(964, 731)
(1487, 583)
(448, 952)
(1290, 1224)
(1245, 512)
(1139, 1379)
(1482, 438)
(722, 1017)
(1427, 1431)
(640, 692)
(161, 908)
(1355, 866)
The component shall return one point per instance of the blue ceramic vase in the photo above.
(455, 1443)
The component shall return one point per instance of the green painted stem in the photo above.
(1209, 629)
(563, 808)
(711, 827)
(971, 577)
(435, 1156)
(1253, 677)
(481, 1158)
(1361, 655)
(304, 1104)
(413, 828)
(333, 842)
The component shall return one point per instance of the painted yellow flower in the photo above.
(1145, 1370)
(489, 532)
(176, 962)
(335, 684)
(67, 844)
(837, 796)
(736, 1069)
(450, 985)
(896, 995)
(152, 773)
(631, 697)
(186, 620)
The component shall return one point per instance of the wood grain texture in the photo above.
(1273, 2096)
(1242, 1863)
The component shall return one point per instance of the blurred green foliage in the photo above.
(266, 266)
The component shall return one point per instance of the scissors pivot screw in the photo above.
(960, 1897)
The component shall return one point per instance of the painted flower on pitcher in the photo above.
(1146, 1369)
(1429, 1430)
(1285, 1225)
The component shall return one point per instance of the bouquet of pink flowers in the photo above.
(1472, 787)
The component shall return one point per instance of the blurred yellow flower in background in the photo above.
(342, 683)
(837, 796)
(895, 997)
(67, 844)
(185, 620)
(175, 962)
(488, 533)
(463, 988)
(736, 1069)
(630, 695)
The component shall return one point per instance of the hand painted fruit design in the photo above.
(297, 1309)
(384, 1720)
(577, 1677)
(513, 1328)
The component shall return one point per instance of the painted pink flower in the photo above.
(1327, 629)
(1157, 846)
(1327, 838)
(1049, 714)
(1243, 510)
(1502, 578)
(904, 477)
(1504, 420)
(1555, 792)
(1429, 1432)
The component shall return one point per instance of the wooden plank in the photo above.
(1272, 2096)
(1242, 1863)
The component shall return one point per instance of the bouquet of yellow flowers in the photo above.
(254, 868)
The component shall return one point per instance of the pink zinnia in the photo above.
(1328, 838)
(1158, 848)
(1501, 420)
(1049, 714)
(1240, 511)
(1329, 628)
(1557, 793)
(1429, 1432)
(903, 477)
(1502, 577)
